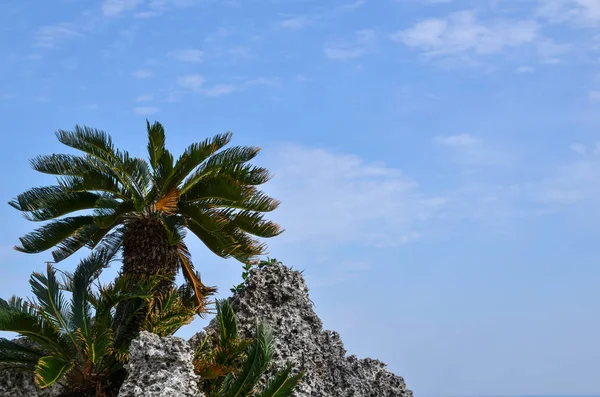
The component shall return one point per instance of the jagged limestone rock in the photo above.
(279, 295)
(21, 384)
(160, 367)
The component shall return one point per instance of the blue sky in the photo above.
(438, 161)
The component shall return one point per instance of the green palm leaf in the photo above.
(53, 233)
(282, 385)
(45, 203)
(49, 369)
(258, 359)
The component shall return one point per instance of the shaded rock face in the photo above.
(21, 384)
(279, 295)
(160, 367)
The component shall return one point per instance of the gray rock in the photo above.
(279, 295)
(21, 384)
(160, 367)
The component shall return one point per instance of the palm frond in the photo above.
(257, 361)
(167, 204)
(252, 201)
(201, 291)
(156, 143)
(193, 156)
(34, 328)
(49, 369)
(282, 385)
(45, 203)
(51, 300)
(18, 353)
(98, 144)
(53, 233)
(79, 172)
(253, 222)
(215, 187)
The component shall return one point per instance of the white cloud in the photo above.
(196, 83)
(524, 70)
(341, 199)
(115, 8)
(219, 90)
(142, 74)
(295, 23)
(464, 140)
(150, 8)
(145, 110)
(579, 149)
(354, 5)
(144, 98)
(240, 52)
(473, 153)
(582, 12)
(188, 55)
(49, 36)
(343, 54)
(265, 81)
(359, 48)
(575, 182)
(461, 32)
(594, 96)
(191, 81)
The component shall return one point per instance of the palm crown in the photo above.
(144, 208)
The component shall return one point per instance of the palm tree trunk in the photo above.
(146, 254)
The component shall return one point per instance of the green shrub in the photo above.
(229, 365)
(73, 341)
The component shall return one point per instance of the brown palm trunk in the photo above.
(146, 254)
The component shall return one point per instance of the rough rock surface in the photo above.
(21, 384)
(160, 367)
(279, 295)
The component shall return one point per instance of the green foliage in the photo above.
(248, 266)
(230, 366)
(71, 340)
(208, 190)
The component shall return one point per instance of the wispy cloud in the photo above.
(295, 23)
(219, 90)
(594, 96)
(524, 69)
(471, 151)
(191, 81)
(460, 140)
(141, 8)
(344, 199)
(574, 182)
(116, 8)
(350, 50)
(196, 83)
(581, 12)
(144, 98)
(462, 32)
(50, 36)
(188, 55)
(145, 110)
(142, 74)
(354, 5)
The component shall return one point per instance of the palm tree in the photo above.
(232, 366)
(74, 342)
(104, 198)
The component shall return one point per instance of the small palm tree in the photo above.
(230, 366)
(144, 208)
(75, 342)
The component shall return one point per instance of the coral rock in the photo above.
(279, 295)
(160, 367)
